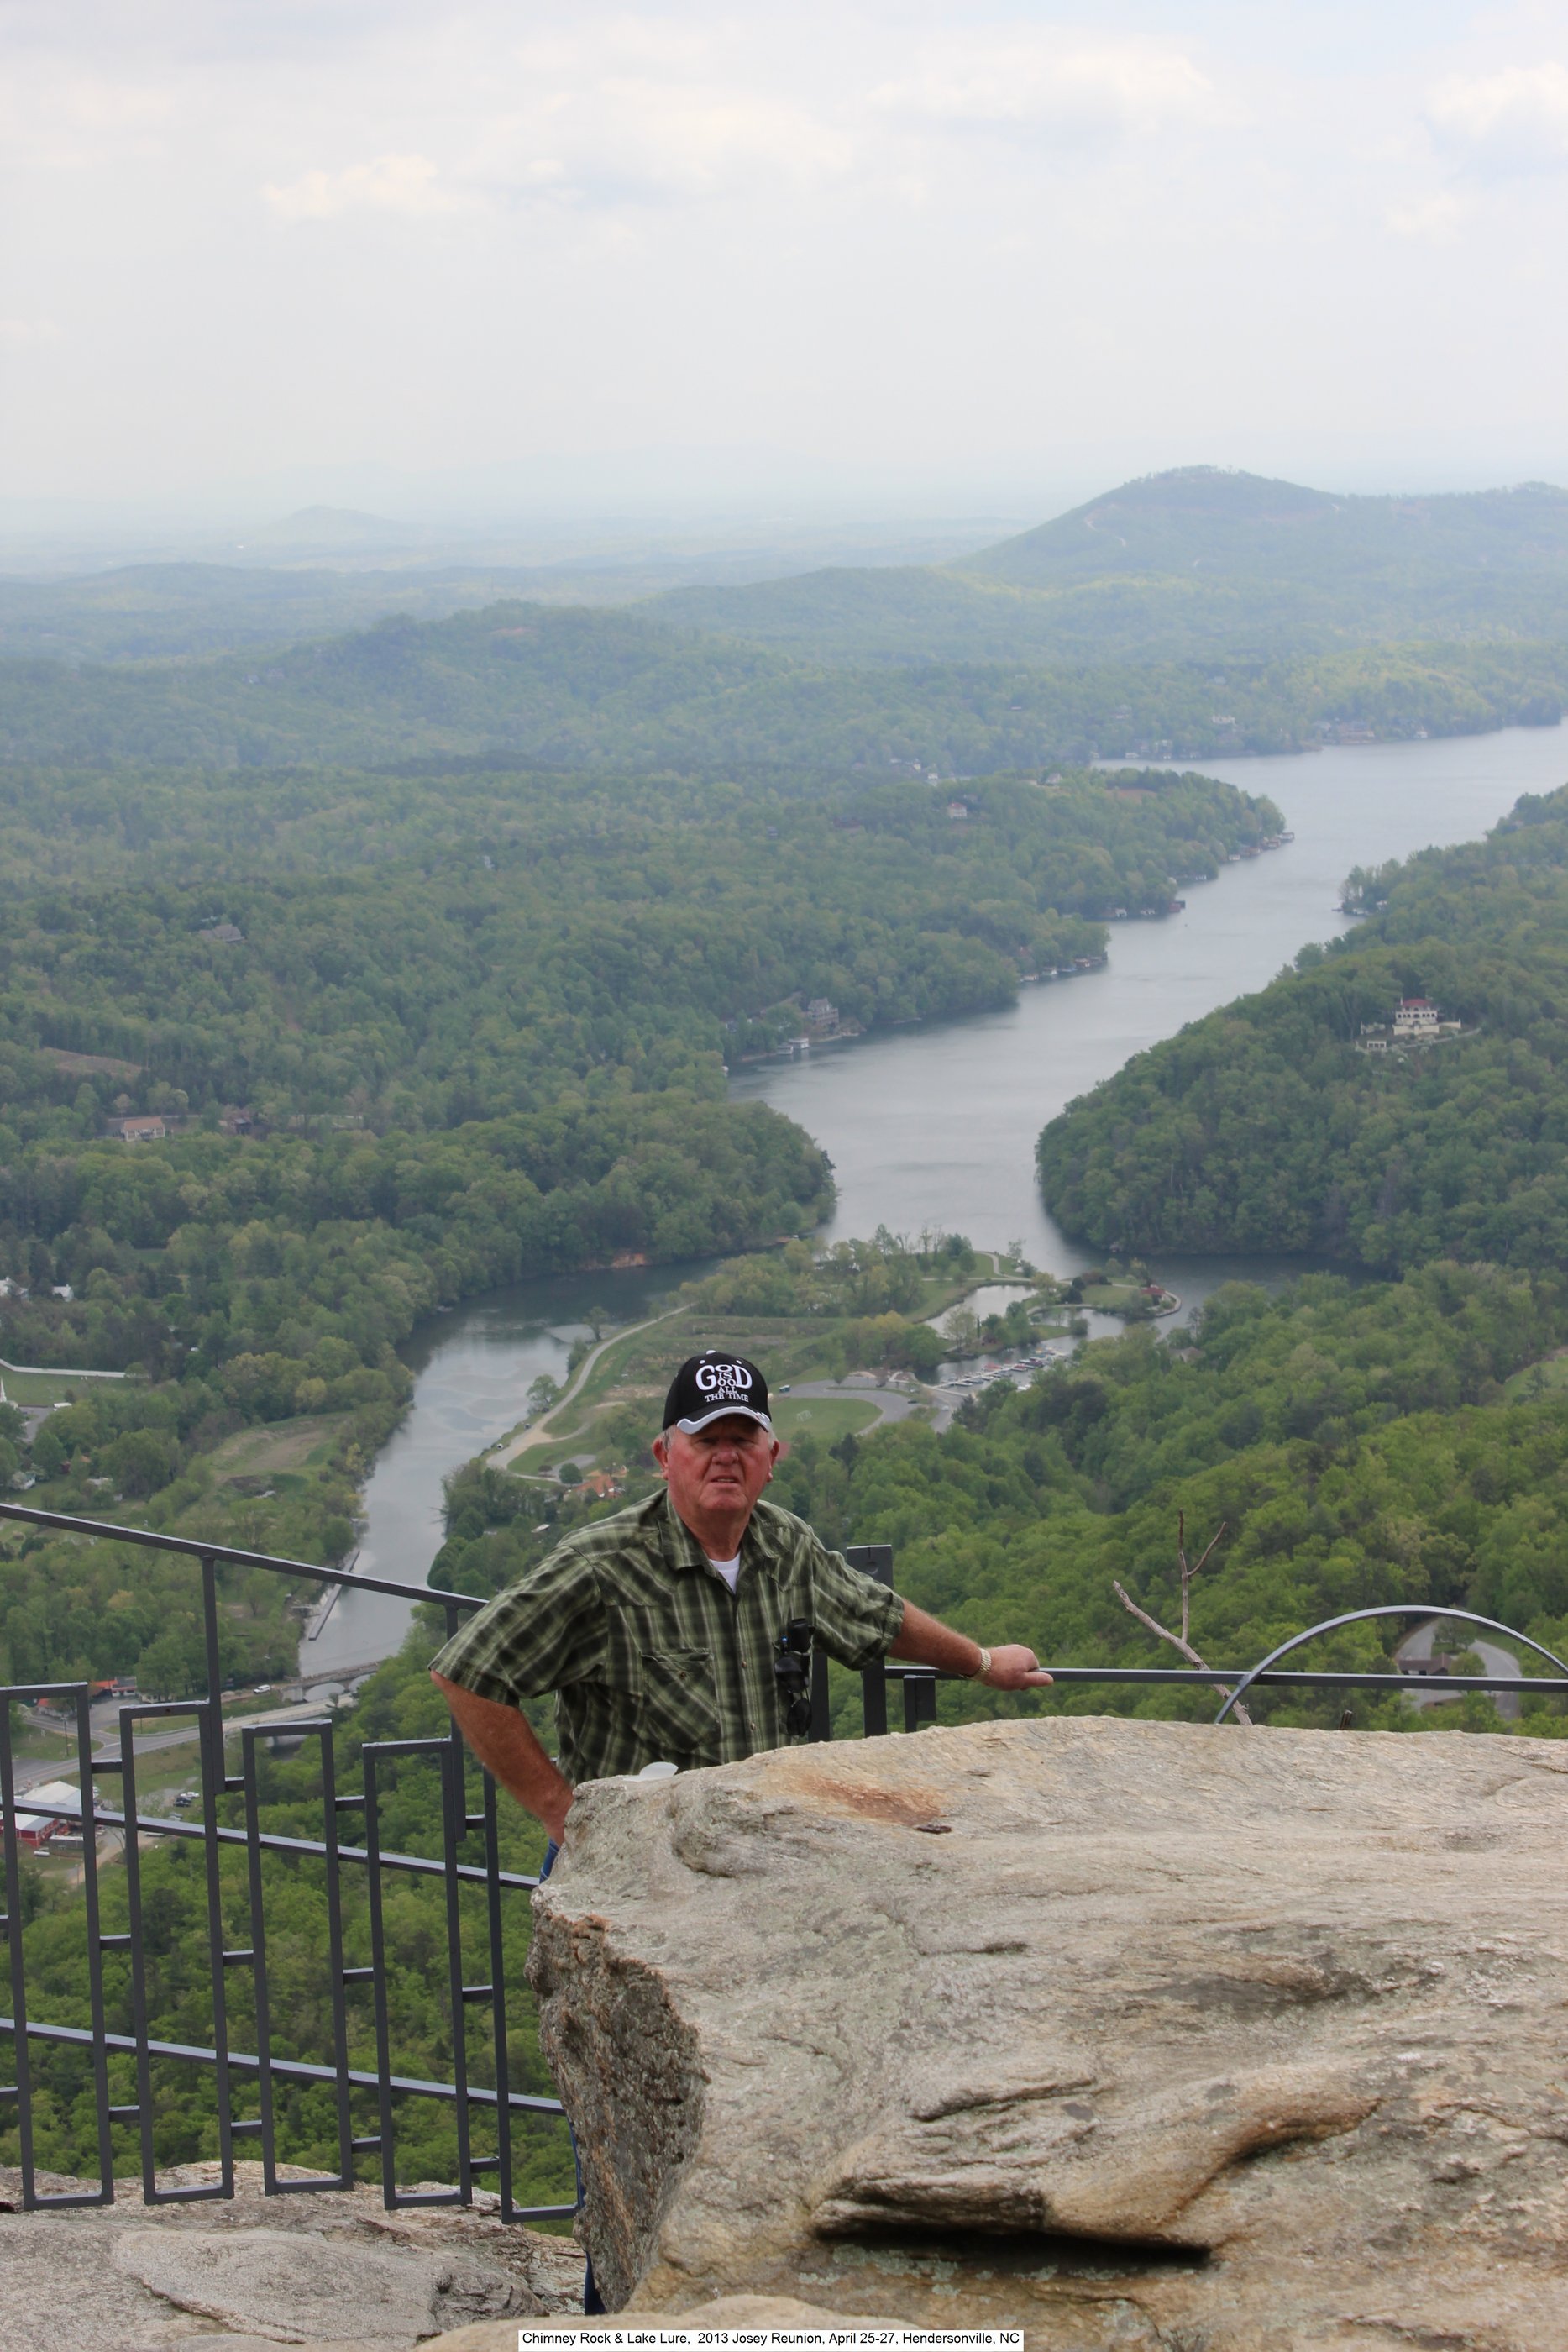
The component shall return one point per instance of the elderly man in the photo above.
(658, 1629)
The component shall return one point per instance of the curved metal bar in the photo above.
(1385, 1609)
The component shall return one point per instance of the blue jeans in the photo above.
(592, 2301)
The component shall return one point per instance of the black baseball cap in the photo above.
(708, 1387)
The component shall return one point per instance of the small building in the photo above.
(235, 1119)
(49, 1811)
(142, 1127)
(821, 1013)
(228, 935)
(957, 811)
(1416, 1018)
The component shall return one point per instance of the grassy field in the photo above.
(829, 1418)
(277, 1446)
(41, 1387)
(1538, 1380)
(633, 1371)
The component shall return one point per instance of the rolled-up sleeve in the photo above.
(857, 1620)
(543, 1632)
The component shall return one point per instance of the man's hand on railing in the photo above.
(1014, 1667)
(924, 1641)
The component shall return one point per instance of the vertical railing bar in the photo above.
(96, 2012)
(258, 1962)
(379, 1977)
(130, 1809)
(499, 1999)
(13, 1883)
(873, 1559)
(335, 1962)
(822, 1720)
(451, 1781)
(213, 1778)
(454, 1792)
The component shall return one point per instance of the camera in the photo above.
(792, 1669)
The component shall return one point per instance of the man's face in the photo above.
(720, 1471)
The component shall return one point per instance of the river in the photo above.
(934, 1125)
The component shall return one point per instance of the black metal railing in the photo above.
(374, 1857)
(459, 1823)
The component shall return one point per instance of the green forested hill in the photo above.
(1263, 1128)
(1197, 565)
(531, 685)
(1240, 526)
(478, 1024)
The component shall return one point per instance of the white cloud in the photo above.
(1514, 120)
(614, 137)
(1074, 88)
(409, 184)
(1430, 219)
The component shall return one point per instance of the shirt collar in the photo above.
(682, 1550)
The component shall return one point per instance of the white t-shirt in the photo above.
(728, 1569)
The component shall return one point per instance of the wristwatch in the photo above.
(983, 1669)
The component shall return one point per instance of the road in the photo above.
(1494, 1660)
(539, 1432)
(149, 1738)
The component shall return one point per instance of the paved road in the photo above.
(539, 1432)
(147, 1740)
(1494, 1660)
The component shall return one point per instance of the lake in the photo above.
(934, 1125)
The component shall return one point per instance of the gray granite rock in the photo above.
(750, 2311)
(1134, 2034)
(334, 2272)
(299, 2288)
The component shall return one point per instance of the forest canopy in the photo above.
(1264, 1127)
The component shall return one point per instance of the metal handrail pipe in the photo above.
(171, 1825)
(226, 1554)
(1388, 1609)
(1210, 1677)
(299, 2070)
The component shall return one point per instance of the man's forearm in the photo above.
(505, 1745)
(927, 1642)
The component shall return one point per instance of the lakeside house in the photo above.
(1416, 1022)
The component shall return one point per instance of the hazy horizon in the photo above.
(895, 260)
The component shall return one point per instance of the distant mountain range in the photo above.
(1194, 613)
(1195, 562)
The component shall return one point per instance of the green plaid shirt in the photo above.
(649, 1653)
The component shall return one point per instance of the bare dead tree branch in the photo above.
(1190, 1570)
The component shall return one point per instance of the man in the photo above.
(658, 1629)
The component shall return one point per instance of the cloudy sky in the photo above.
(937, 249)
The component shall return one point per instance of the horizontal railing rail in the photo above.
(267, 2068)
(264, 2066)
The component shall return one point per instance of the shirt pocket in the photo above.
(679, 1713)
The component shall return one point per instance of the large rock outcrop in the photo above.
(1138, 2034)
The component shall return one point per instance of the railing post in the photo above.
(873, 1559)
(21, 2090)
